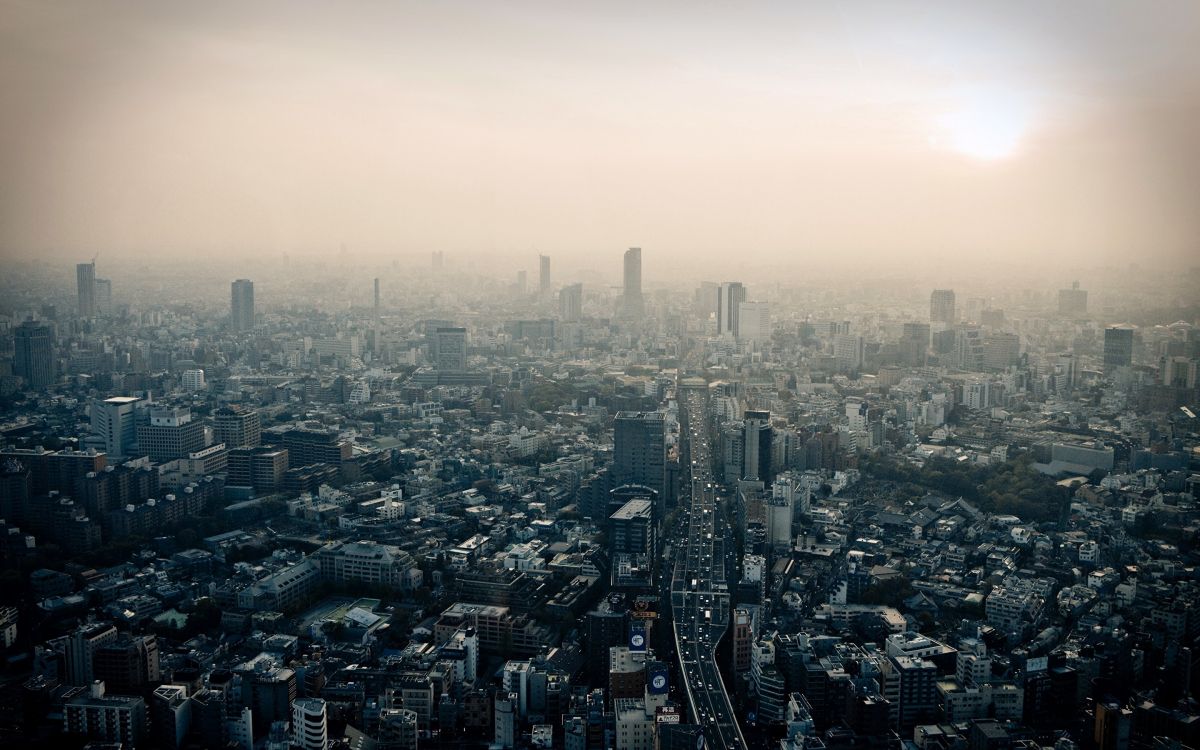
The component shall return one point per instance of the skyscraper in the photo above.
(1072, 303)
(1118, 348)
(914, 344)
(377, 298)
(730, 296)
(632, 303)
(639, 450)
(941, 307)
(103, 297)
(754, 321)
(757, 446)
(33, 358)
(544, 275)
(242, 305)
(451, 349)
(114, 419)
(85, 281)
(570, 303)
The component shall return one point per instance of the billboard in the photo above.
(1036, 664)
(637, 637)
(666, 715)
(656, 678)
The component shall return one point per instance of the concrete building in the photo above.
(115, 420)
(941, 307)
(310, 725)
(33, 354)
(632, 303)
(85, 289)
(237, 427)
(639, 451)
(109, 718)
(241, 306)
(570, 303)
(754, 321)
(171, 433)
(730, 297)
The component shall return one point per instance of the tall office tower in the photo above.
(242, 305)
(85, 283)
(1072, 303)
(570, 303)
(80, 651)
(310, 730)
(849, 351)
(639, 451)
(438, 260)
(114, 419)
(705, 303)
(632, 303)
(914, 344)
(237, 427)
(730, 296)
(632, 529)
(1001, 350)
(1118, 348)
(969, 348)
(522, 281)
(757, 445)
(376, 298)
(941, 307)
(544, 276)
(505, 721)
(171, 433)
(451, 349)
(754, 321)
(103, 297)
(33, 356)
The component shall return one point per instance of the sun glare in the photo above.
(984, 124)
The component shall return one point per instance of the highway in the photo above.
(700, 601)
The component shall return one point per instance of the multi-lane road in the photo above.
(699, 590)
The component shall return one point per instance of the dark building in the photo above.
(639, 451)
(85, 282)
(241, 316)
(632, 529)
(33, 355)
(55, 470)
(756, 446)
(261, 468)
(307, 447)
(128, 665)
(941, 307)
(1118, 348)
(914, 343)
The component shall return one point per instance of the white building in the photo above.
(192, 380)
(310, 729)
(754, 321)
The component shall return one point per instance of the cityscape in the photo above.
(529, 462)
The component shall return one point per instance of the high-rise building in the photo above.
(33, 356)
(914, 344)
(754, 321)
(969, 348)
(639, 450)
(242, 305)
(544, 276)
(451, 349)
(85, 283)
(1001, 350)
(377, 298)
(237, 427)
(1118, 348)
(438, 259)
(730, 296)
(192, 380)
(128, 664)
(632, 303)
(757, 446)
(570, 303)
(941, 307)
(80, 651)
(1072, 303)
(849, 351)
(632, 529)
(171, 433)
(104, 297)
(114, 419)
(310, 730)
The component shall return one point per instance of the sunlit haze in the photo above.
(771, 133)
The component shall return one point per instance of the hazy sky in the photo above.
(778, 131)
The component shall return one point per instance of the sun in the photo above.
(984, 124)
